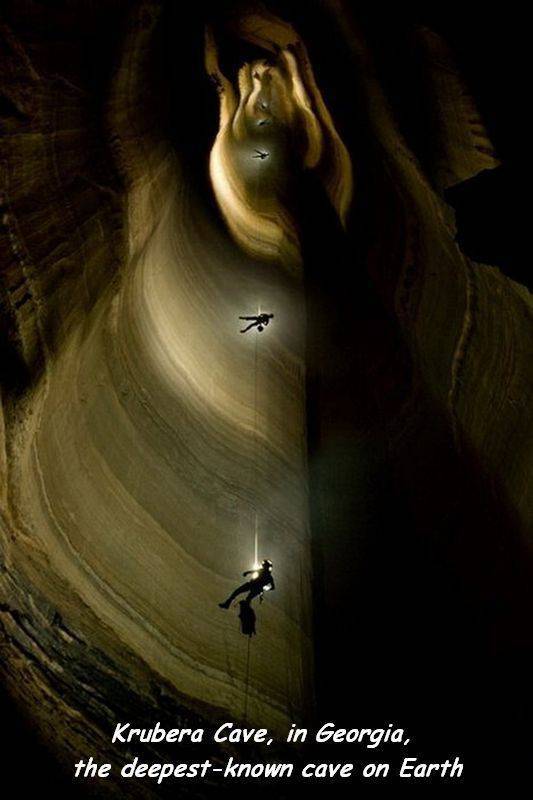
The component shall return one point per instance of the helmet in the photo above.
(266, 562)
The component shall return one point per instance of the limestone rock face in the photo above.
(149, 451)
(274, 125)
(153, 452)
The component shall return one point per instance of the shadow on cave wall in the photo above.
(422, 568)
(422, 572)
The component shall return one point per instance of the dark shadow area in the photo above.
(25, 755)
(488, 206)
(487, 222)
(247, 618)
(423, 580)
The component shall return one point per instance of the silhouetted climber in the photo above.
(262, 581)
(259, 321)
(247, 618)
(262, 154)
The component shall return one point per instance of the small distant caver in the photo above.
(259, 321)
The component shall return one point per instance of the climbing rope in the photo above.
(255, 486)
(255, 448)
(255, 482)
(247, 683)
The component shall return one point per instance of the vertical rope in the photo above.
(247, 684)
(256, 554)
(256, 526)
(256, 471)
(255, 479)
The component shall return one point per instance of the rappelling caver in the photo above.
(259, 321)
(262, 581)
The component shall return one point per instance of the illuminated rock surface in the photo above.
(158, 440)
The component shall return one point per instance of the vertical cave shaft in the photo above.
(156, 452)
(162, 444)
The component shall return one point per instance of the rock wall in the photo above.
(153, 451)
